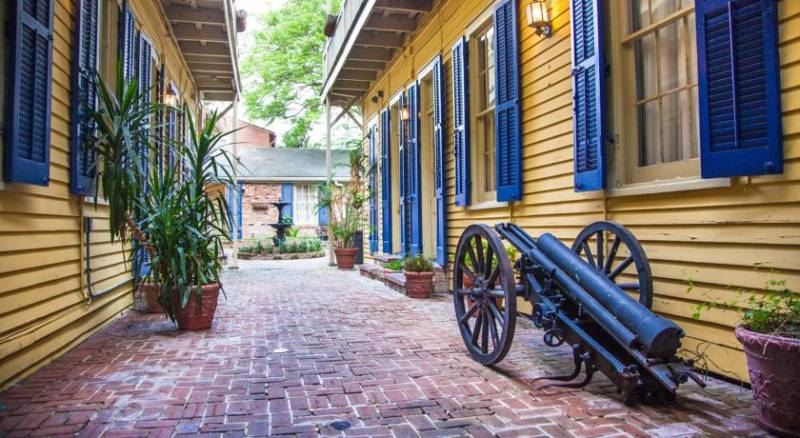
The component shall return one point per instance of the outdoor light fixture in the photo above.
(538, 18)
(404, 113)
(171, 99)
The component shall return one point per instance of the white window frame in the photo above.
(306, 207)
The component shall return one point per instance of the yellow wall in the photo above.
(43, 312)
(713, 236)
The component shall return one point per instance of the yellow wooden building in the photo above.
(684, 116)
(61, 278)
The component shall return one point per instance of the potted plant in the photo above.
(419, 276)
(769, 331)
(346, 205)
(186, 226)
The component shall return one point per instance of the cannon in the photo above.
(595, 296)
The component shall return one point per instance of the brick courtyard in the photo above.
(299, 348)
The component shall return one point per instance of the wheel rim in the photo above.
(486, 308)
(614, 251)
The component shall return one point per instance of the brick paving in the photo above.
(299, 348)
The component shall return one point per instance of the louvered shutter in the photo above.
(84, 97)
(401, 138)
(287, 195)
(461, 154)
(235, 207)
(439, 167)
(508, 148)
(323, 214)
(373, 196)
(27, 115)
(739, 88)
(127, 41)
(588, 95)
(145, 87)
(386, 180)
(160, 90)
(413, 170)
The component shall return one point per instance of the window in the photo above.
(655, 52)
(305, 203)
(482, 94)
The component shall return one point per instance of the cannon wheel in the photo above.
(607, 237)
(486, 309)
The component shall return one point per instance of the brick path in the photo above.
(299, 346)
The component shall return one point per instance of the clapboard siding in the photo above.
(711, 237)
(43, 311)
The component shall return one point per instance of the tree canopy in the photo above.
(283, 68)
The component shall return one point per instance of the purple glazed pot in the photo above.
(774, 365)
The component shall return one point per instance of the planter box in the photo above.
(294, 256)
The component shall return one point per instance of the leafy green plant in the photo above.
(121, 122)
(285, 220)
(417, 263)
(183, 223)
(292, 232)
(396, 265)
(346, 201)
(775, 310)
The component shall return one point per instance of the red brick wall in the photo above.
(251, 136)
(255, 222)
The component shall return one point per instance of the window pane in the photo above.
(646, 68)
(661, 9)
(487, 153)
(490, 82)
(672, 56)
(647, 123)
(640, 15)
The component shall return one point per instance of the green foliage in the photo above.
(184, 226)
(345, 202)
(285, 220)
(417, 263)
(283, 69)
(396, 265)
(121, 121)
(774, 310)
(292, 232)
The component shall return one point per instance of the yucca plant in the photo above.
(121, 119)
(184, 222)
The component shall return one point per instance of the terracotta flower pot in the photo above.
(774, 366)
(466, 281)
(150, 292)
(345, 257)
(419, 284)
(194, 317)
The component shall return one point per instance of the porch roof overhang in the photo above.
(206, 34)
(366, 36)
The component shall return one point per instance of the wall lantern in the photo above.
(404, 113)
(171, 99)
(538, 18)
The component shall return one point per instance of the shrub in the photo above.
(417, 263)
(396, 265)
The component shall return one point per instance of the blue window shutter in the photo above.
(414, 189)
(27, 115)
(127, 41)
(373, 199)
(235, 207)
(460, 63)
(739, 88)
(508, 148)
(386, 180)
(145, 86)
(322, 213)
(84, 97)
(401, 138)
(439, 119)
(588, 95)
(287, 195)
(239, 201)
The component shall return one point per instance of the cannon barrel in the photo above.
(656, 336)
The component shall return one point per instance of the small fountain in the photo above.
(281, 226)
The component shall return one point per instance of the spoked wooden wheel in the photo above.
(484, 293)
(614, 251)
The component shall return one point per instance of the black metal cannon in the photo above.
(578, 297)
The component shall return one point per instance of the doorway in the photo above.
(427, 170)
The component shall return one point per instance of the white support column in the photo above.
(233, 263)
(329, 163)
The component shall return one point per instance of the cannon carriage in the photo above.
(579, 296)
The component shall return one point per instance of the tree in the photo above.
(283, 68)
